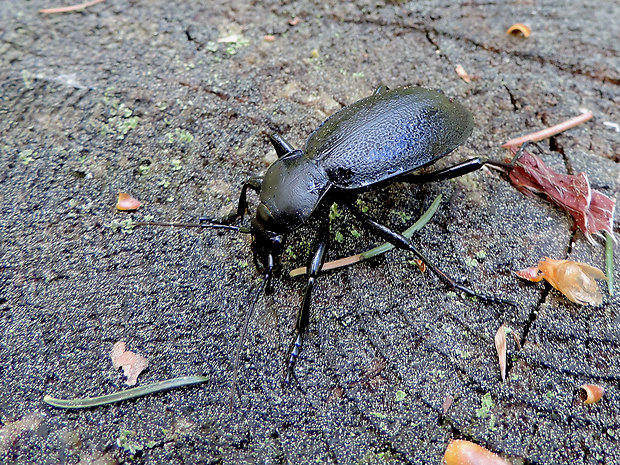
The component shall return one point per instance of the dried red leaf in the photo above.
(591, 210)
(575, 280)
(132, 363)
(126, 202)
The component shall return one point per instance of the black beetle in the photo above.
(376, 141)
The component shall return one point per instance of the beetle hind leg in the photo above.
(401, 242)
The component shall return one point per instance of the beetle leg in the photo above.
(468, 166)
(400, 241)
(524, 145)
(315, 263)
(252, 183)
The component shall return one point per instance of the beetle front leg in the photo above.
(401, 242)
(313, 268)
(242, 206)
(252, 183)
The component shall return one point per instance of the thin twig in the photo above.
(552, 131)
(67, 9)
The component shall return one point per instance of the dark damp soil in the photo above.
(147, 98)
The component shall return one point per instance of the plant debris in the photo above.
(575, 280)
(591, 393)
(500, 346)
(519, 29)
(11, 430)
(132, 364)
(591, 210)
(132, 393)
(408, 233)
(461, 452)
(67, 9)
(548, 132)
(126, 202)
(463, 74)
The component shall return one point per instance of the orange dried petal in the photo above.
(519, 29)
(530, 273)
(126, 202)
(591, 393)
(461, 452)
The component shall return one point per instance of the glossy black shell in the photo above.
(388, 134)
(373, 140)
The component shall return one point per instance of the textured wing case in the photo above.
(388, 134)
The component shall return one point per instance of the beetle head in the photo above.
(267, 244)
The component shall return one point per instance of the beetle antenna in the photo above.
(203, 223)
(244, 331)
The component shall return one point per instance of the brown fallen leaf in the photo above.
(500, 346)
(132, 363)
(13, 429)
(575, 280)
(591, 210)
(126, 202)
(462, 73)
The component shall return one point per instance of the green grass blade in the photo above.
(424, 219)
(609, 262)
(132, 393)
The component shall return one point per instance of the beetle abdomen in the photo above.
(388, 134)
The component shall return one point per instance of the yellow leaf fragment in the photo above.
(575, 280)
(461, 452)
(126, 202)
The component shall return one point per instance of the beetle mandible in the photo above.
(376, 141)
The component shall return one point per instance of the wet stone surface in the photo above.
(143, 98)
